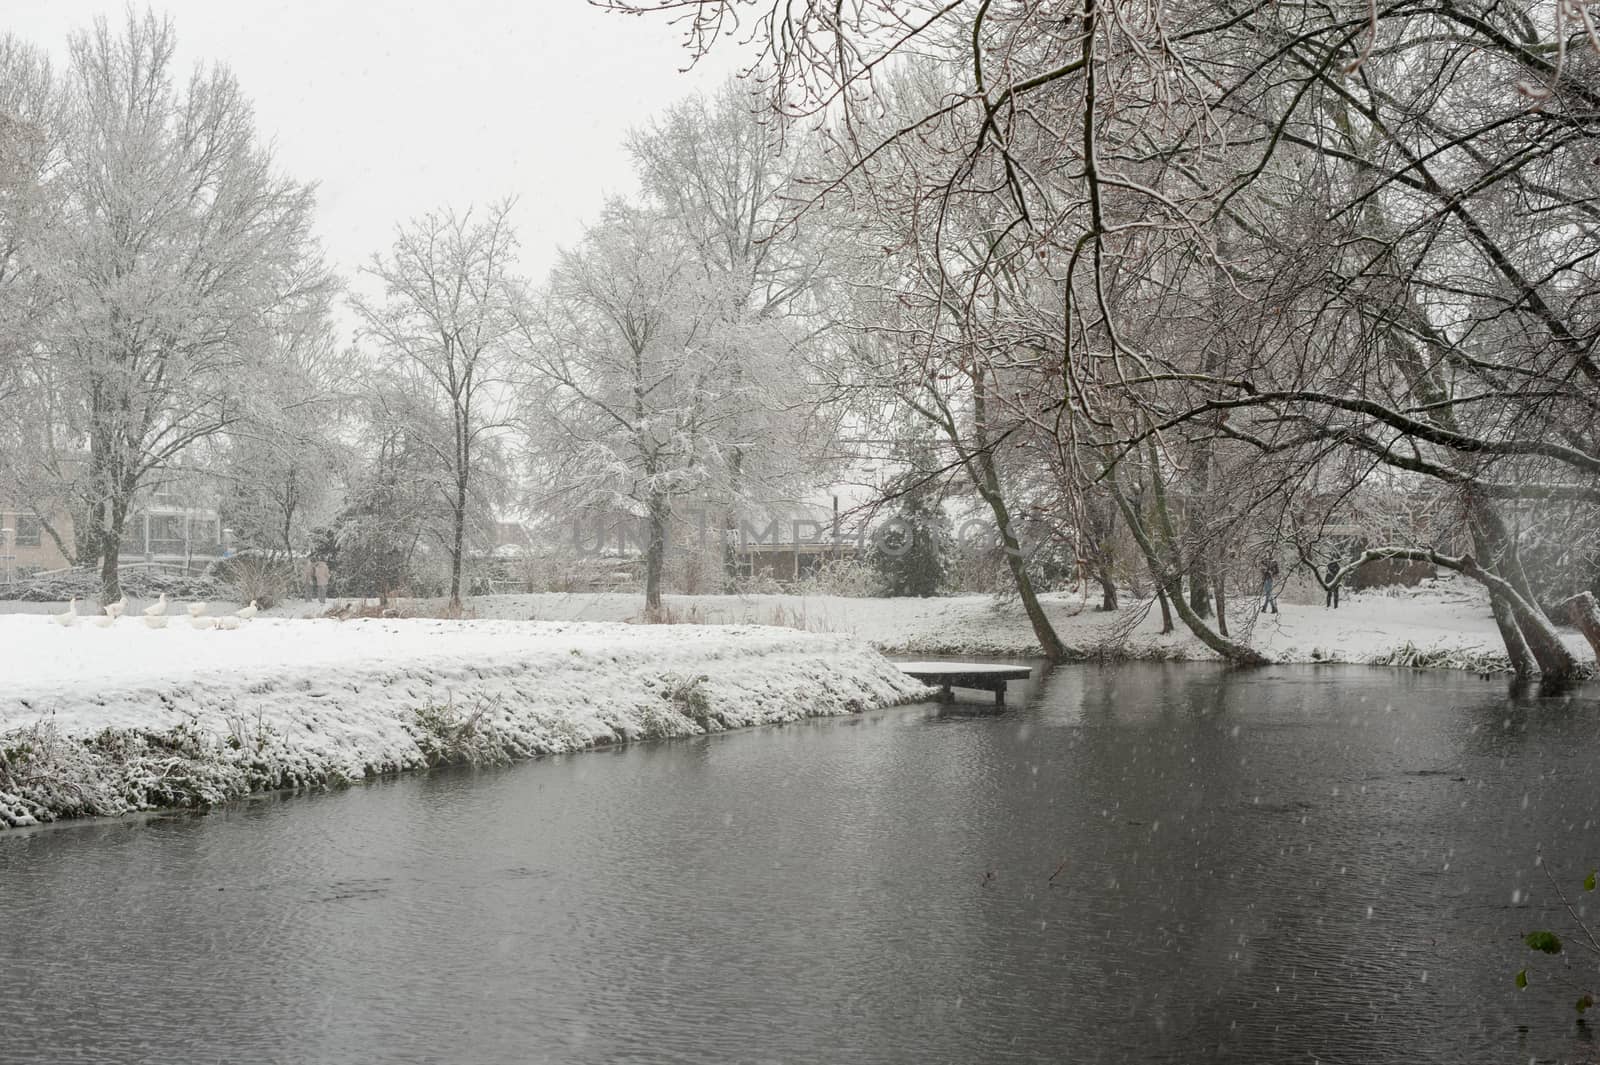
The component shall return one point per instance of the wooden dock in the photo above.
(983, 676)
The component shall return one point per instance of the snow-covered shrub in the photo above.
(257, 579)
(44, 776)
(689, 699)
(137, 582)
(763, 583)
(848, 577)
(447, 736)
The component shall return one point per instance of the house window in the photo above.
(28, 530)
(166, 534)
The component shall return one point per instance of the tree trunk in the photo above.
(1522, 663)
(655, 554)
(116, 517)
(458, 534)
(1488, 531)
(1108, 588)
(1218, 589)
(1043, 630)
(1584, 612)
(1521, 659)
(1101, 523)
(1229, 649)
(1199, 590)
(730, 529)
(110, 579)
(110, 483)
(1166, 609)
(1530, 620)
(987, 476)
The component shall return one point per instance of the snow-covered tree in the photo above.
(31, 128)
(625, 377)
(718, 173)
(177, 239)
(443, 328)
(910, 552)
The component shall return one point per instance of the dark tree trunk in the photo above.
(1234, 652)
(730, 528)
(655, 554)
(1101, 521)
(1497, 555)
(1522, 663)
(114, 519)
(1166, 609)
(1584, 612)
(111, 484)
(1199, 590)
(458, 536)
(1108, 588)
(1218, 589)
(110, 578)
(987, 476)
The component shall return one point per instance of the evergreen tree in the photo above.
(911, 552)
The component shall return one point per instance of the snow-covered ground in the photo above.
(100, 720)
(197, 716)
(1449, 616)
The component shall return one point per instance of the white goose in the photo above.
(196, 609)
(248, 612)
(70, 618)
(228, 624)
(156, 609)
(196, 621)
(114, 610)
(105, 621)
(155, 621)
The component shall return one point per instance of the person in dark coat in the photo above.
(1269, 573)
(1333, 584)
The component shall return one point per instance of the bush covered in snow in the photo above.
(137, 583)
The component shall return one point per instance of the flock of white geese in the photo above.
(155, 615)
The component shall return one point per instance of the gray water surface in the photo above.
(1143, 863)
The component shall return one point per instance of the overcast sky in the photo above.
(395, 107)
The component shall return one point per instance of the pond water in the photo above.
(1141, 863)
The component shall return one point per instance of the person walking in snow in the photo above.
(1269, 574)
(308, 579)
(322, 580)
(1333, 583)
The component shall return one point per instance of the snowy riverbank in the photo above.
(1443, 623)
(101, 721)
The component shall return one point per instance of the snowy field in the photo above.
(198, 716)
(1449, 618)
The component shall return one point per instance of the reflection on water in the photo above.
(1143, 863)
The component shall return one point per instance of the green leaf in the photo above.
(1522, 979)
(1588, 881)
(1548, 942)
(1583, 1003)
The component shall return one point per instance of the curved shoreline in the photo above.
(328, 703)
